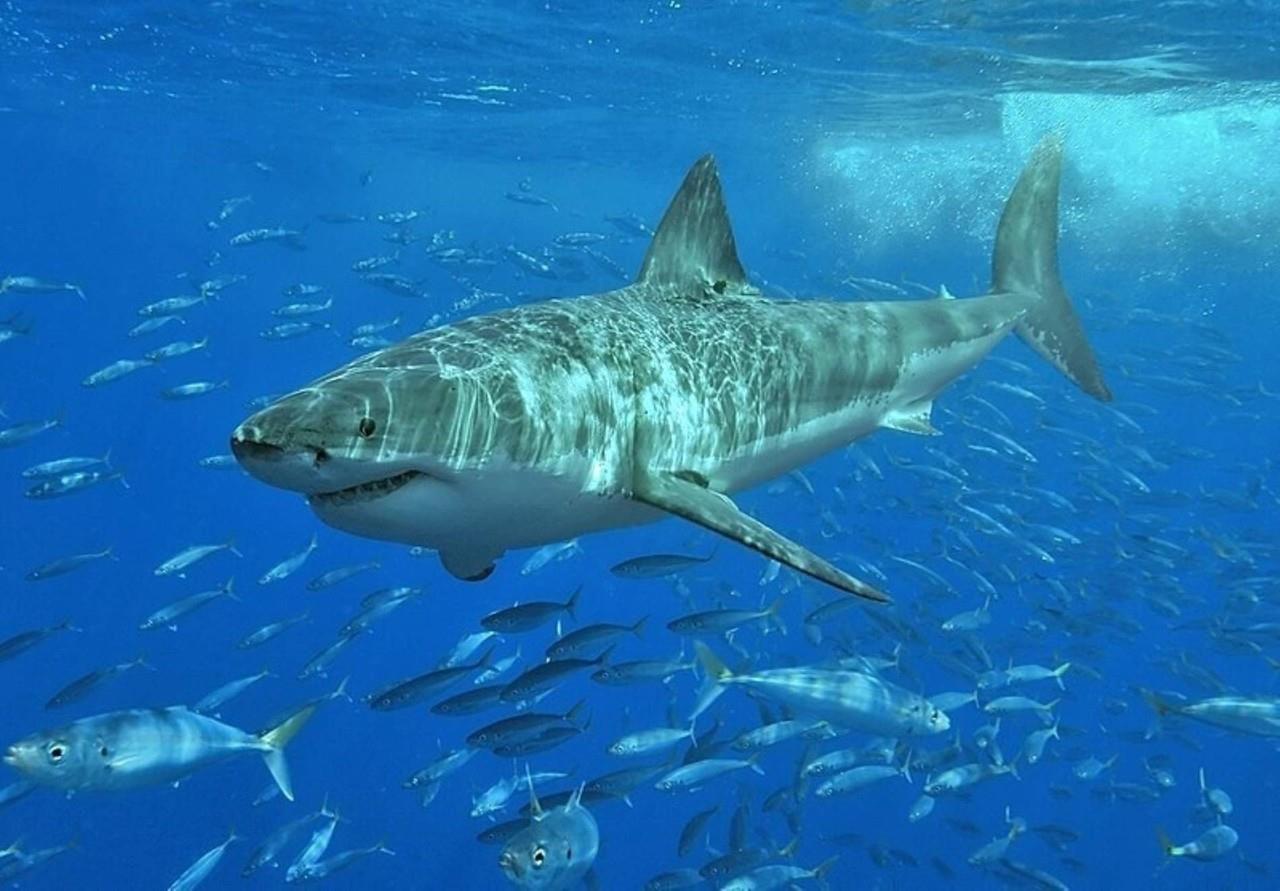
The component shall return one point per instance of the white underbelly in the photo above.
(498, 508)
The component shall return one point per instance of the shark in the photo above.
(664, 398)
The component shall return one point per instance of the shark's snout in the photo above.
(287, 468)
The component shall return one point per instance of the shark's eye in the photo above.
(368, 426)
(56, 753)
(539, 857)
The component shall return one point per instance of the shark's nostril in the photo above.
(322, 455)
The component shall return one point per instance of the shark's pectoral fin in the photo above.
(686, 495)
(912, 419)
(469, 566)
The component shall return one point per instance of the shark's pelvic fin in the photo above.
(694, 242)
(1026, 260)
(685, 496)
(468, 567)
(912, 419)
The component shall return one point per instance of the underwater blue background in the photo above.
(858, 139)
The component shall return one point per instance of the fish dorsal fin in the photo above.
(535, 806)
(694, 241)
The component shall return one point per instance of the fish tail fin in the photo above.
(716, 670)
(774, 614)
(1203, 787)
(1166, 843)
(638, 628)
(574, 715)
(229, 589)
(1026, 261)
(753, 762)
(340, 692)
(231, 546)
(571, 606)
(1162, 708)
(141, 662)
(820, 871)
(1059, 672)
(276, 739)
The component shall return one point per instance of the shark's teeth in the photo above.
(367, 491)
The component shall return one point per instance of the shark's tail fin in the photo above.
(1026, 260)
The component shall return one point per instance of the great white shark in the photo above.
(553, 419)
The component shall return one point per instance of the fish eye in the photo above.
(539, 857)
(368, 426)
(57, 752)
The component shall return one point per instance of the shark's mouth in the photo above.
(364, 492)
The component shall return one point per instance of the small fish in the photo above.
(657, 565)
(291, 238)
(216, 698)
(268, 853)
(115, 371)
(293, 310)
(180, 562)
(552, 553)
(193, 389)
(364, 619)
(528, 616)
(644, 671)
(718, 621)
(203, 867)
(70, 483)
(29, 284)
(644, 742)
(341, 574)
(546, 676)
(694, 776)
(166, 616)
(290, 330)
(85, 684)
(176, 349)
(60, 466)
(271, 631)
(320, 662)
(170, 306)
(154, 323)
(315, 847)
(321, 869)
(440, 768)
(589, 637)
(1091, 768)
(413, 690)
(1210, 845)
(470, 702)
(64, 565)
(20, 433)
(289, 565)
(25, 640)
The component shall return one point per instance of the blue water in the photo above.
(853, 140)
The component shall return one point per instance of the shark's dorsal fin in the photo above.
(694, 242)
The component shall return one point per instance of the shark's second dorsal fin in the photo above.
(694, 242)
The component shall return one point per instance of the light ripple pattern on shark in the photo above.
(553, 419)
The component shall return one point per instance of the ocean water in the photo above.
(866, 150)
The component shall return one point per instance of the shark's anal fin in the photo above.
(913, 419)
(681, 495)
